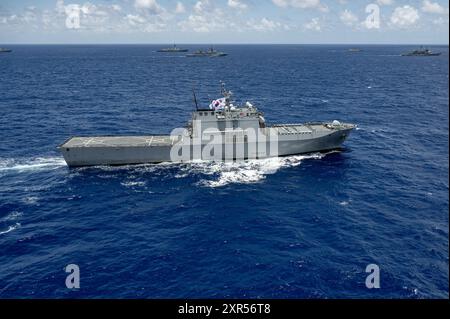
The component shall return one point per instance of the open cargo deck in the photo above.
(119, 141)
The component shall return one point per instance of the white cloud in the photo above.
(314, 25)
(143, 23)
(348, 18)
(302, 4)
(99, 18)
(265, 24)
(205, 18)
(197, 23)
(180, 8)
(150, 6)
(116, 7)
(135, 19)
(60, 8)
(433, 7)
(237, 4)
(202, 6)
(385, 2)
(404, 16)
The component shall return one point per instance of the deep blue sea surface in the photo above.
(296, 227)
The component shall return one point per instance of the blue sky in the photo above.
(225, 21)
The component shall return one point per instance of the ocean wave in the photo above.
(133, 183)
(11, 216)
(10, 229)
(31, 164)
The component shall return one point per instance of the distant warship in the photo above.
(211, 52)
(354, 50)
(421, 52)
(223, 131)
(3, 50)
(173, 49)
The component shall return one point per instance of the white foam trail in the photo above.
(38, 163)
(11, 216)
(131, 184)
(10, 229)
(215, 174)
(250, 171)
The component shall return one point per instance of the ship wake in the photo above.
(204, 173)
(31, 164)
(218, 174)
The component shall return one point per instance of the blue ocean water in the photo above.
(296, 227)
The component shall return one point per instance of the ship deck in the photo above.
(309, 127)
(119, 141)
(299, 128)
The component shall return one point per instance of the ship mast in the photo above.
(226, 94)
(195, 98)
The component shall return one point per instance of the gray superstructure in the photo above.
(221, 132)
(173, 49)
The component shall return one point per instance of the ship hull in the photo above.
(76, 156)
(422, 55)
(325, 143)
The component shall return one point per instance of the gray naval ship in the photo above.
(173, 49)
(221, 132)
(210, 53)
(422, 52)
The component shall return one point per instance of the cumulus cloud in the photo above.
(205, 18)
(265, 24)
(404, 16)
(313, 24)
(136, 22)
(302, 4)
(433, 7)
(385, 2)
(202, 6)
(237, 4)
(135, 19)
(93, 17)
(150, 6)
(348, 18)
(116, 7)
(99, 18)
(180, 8)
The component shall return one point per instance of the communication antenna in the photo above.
(194, 98)
(223, 91)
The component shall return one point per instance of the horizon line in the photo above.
(209, 44)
